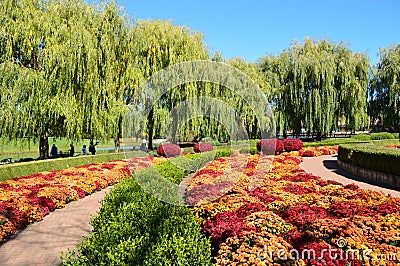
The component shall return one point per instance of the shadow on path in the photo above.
(334, 167)
(326, 167)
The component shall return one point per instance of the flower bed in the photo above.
(135, 228)
(28, 199)
(316, 151)
(395, 146)
(293, 217)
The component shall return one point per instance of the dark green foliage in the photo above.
(134, 228)
(382, 135)
(316, 84)
(355, 138)
(384, 89)
(361, 137)
(372, 155)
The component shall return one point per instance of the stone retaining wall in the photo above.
(379, 177)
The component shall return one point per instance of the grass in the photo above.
(24, 148)
(9, 171)
(330, 142)
(353, 139)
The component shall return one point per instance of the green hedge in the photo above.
(372, 155)
(9, 171)
(384, 135)
(134, 228)
(353, 139)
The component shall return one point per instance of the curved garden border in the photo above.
(372, 161)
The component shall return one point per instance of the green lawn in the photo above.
(22, 148)
(355, 138)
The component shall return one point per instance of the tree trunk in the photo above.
(174, 138)
(319, 136)
(284, 131)
(44, 146)
(116, 145)
(151, 128)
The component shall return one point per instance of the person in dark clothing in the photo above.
(71, 150)
(92, 148)
(54, 151)
(84, 150)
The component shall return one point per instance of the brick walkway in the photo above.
(327, 168)
(42, 243)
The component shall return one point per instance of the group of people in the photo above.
(54, 150)
(92, 148)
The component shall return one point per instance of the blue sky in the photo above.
(252, 28)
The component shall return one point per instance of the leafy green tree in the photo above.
(64, 69)
(384, 91)
(159, 44)
(316, 83)
(253, 71)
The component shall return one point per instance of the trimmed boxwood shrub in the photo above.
(382, 135)
(372, 155)
(223, 152)
(168, 150)
(202, 147)
(251, 150)
(270, 146)
(361, 137)
(134, 228)
(294, 144)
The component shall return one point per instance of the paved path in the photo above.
(327, 168)
(42, 243)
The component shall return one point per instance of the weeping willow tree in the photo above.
(316, 83)
(209, 98)
(159, 44)
(384, 92)
(64, 69)
(253, 71)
